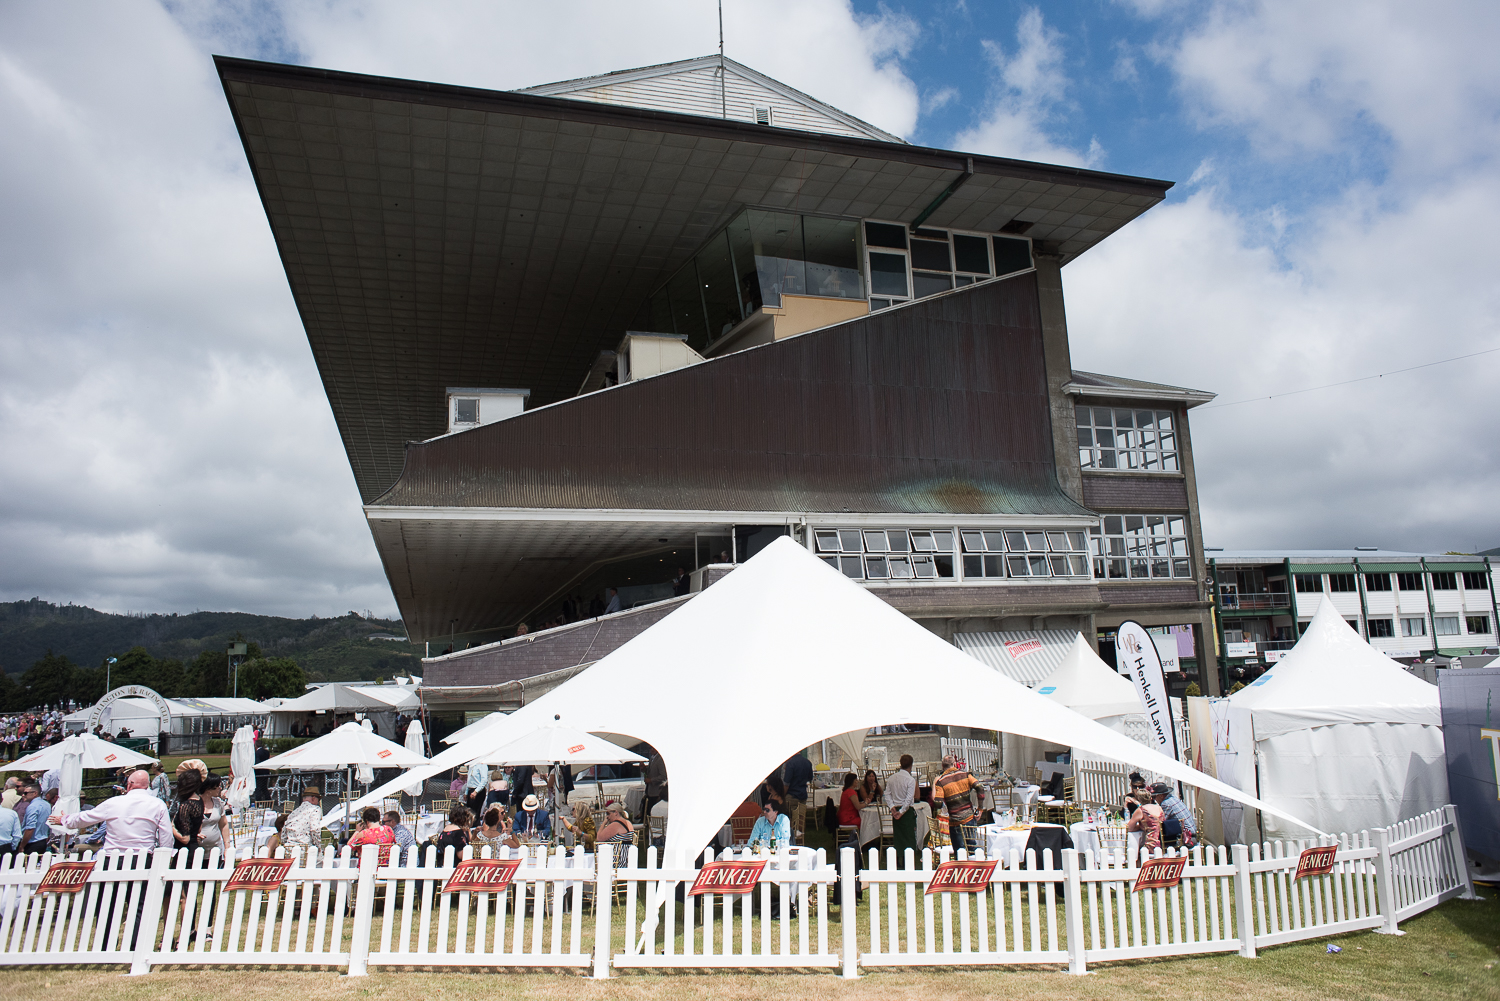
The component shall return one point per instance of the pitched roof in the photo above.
(692, 86)
(1095, 384)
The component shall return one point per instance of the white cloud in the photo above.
(1029, 90)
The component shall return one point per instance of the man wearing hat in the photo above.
(304, 826)
(1179, 822)
(532, 822)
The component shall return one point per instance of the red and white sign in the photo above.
(385, 752)
(110, 757)
(65, 877)
(258, 874)
(575, 748)
(1160, 873)
(1022, 648)
(1316, 861)
(482, 875)
(961, 877)
(727, 877)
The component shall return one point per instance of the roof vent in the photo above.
(763, 116)
(1367, 549)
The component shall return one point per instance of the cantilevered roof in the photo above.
(439, 236)
(1116, 386)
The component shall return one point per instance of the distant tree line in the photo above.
(54, 680)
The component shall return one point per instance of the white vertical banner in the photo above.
(1136, 655)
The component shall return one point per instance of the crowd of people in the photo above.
(26, 733)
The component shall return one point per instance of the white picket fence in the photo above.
(336, 910)
(978, 755)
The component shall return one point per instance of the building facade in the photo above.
(704, 331)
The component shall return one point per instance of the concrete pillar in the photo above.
(1059, 372)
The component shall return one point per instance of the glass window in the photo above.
(943, 541)
(779, 261)
(929, 255)
(466, 411)
(883, 234)
(1478, 624)
(1444, 582)
(1476, 582)
(1409, 581)
(852, 566)
(899, 540)
(1414, 627)
(828, 542)
(875, 567)
(687, 306)
(721, 294)
(1381, 629)
(851, 540)
(971, 254)
(1377, 582)
(1141, 546)
(1309, 583)
(888, 274)
(831, 248)
(1126, 439)
(875, 543)
(879, 304)
(1342, 582)
(1011, 255)
(900, 567)
(1445, 625)
(924, 283)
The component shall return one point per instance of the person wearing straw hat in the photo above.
(532, 822)
(304, 826)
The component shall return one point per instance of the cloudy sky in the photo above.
(168, 446)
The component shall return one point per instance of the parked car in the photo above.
(617, 780)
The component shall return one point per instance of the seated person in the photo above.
(1179, 823)
(581, 825)
(274, 841)
(370, 831)
(773, 827)
(494, 831)
(850, 802)
(532, 822)
(617, 828)
(1147, 819)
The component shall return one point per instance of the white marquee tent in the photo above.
(1343, 736)
(778, 655)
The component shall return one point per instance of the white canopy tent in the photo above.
(95, 752)
(784, 622)
(1343, 736)
(380, 702)
(1088, 686)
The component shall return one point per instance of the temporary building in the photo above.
(774, 657)
(380, 702)
(1342, 737)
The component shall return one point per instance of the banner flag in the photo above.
(482, 875)
(1160, 873)
(1135, 652)
(258, 874)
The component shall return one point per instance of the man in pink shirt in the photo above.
(135, 820)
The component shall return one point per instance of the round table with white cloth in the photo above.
(999, 842)
(1086, 838)
(875, 822)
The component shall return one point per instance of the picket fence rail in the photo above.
(335, 909)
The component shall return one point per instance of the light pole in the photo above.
(240, 650)
(108, 663)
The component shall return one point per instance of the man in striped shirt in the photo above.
(953, 787)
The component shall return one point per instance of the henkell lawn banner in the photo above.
(1160, 873)
(1316, 861)
(258, 874)
(727, 877)
(1136, 653)
(65, 877)
(960, 877)
(482, 875)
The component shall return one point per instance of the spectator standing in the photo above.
(953, 788)
(476, 785)
(10, 831)
(656, 779)
(33, 811)
(900, 795)
(613, 605)
(187, 825)
(796, 774)
(215, 815)
(161, 786)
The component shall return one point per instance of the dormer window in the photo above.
(466, 411)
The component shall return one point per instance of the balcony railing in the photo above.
(1254, 602)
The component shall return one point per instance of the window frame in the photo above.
(1380, 629)
(1484, 621)
(1092, 463)
(1406, 629)
(1480, 578)
(1443, 580)
(1129, 554)
(1457, 629)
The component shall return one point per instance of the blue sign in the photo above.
(1471, 738)
(1046, 691)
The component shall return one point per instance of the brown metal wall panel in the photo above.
(1148, 594)
(990, 601)
(827, 421)
(1109, 492)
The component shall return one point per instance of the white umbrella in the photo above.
(414, 745)
(97, 753)
(70, 783)
(242, 767)
(559, 745)
(348, 746)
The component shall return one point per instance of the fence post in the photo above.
(364, 913)
(1244, 911)
(604, 894)
(145, 931)
(1385, 882)
(1460, 858)
(1073, 911)
(848, 918)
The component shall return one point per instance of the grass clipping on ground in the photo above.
(1450, 952)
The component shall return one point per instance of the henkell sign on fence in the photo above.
(727, 877)
(961, 877)
(1316, 861)
(258, 874)
(482, 875)
(65, 877)
(1161, 873)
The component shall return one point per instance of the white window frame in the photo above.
(1406, 626)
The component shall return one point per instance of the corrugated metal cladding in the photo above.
(936, 407)
(1135, 494)
(544, 652)
(1020, 661)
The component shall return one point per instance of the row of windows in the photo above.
(1141, 546)
(1442, 625)
(922, 554)
(1112, 438)
(1312, 583)
(930, 261)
